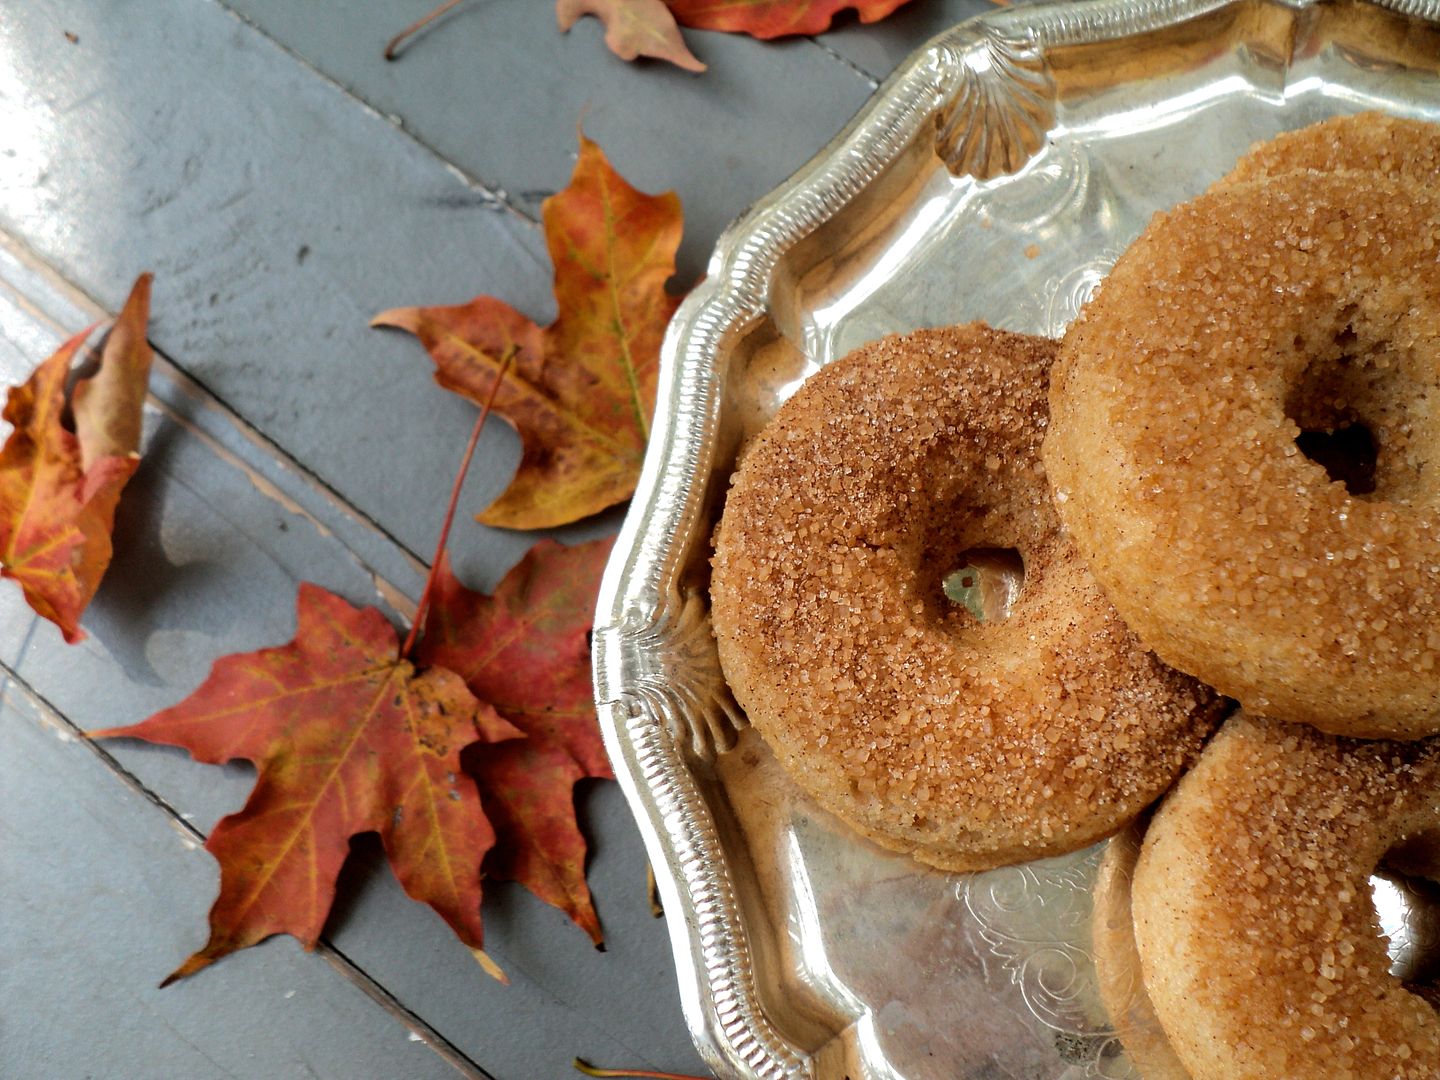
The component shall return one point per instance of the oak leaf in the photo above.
(525, 651)
(582, 391)
(775, 18)
(633, 28)
(347, 738)
(66, 462)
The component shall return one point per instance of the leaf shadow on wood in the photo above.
(365, 873)
(510, 911)
(364, 866)
(144, 590)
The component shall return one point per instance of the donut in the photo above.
(1237, 327)
(1117, 962)
(966, 742)
(1393, 147)
(1259, 940)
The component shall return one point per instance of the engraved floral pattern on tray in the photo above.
(1033, 921)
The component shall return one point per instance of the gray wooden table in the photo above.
(284, 183)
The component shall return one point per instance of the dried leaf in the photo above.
(774, 18)
(347, 738)
(633, 28)
(525, 651)
(59, 488)
(460, 782)
(583, 389)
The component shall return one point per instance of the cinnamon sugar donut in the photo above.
(968, 744)
(1386, 146)
(1117, 963)
(1259, 940)
(1310, 302)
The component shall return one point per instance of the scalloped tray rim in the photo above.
(640, 607)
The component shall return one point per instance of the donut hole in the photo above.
(1328, 403)
(1406, 891)
(1354, 422)
(986, 582)
(1347, 454)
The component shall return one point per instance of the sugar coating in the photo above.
(967, 744)
(1392, 147)
(1259, 941)
(1234, 321)
(1117, 963)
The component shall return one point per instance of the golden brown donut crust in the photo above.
(1117, 963)
(967, 745)
(1259, 941)
(1232, 322)
(1392, 147)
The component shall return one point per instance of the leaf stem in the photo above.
(590, 1070)
(424, 603)
(392, 50)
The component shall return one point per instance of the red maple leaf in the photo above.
(583, 389)
(524, 650)
(775, 18)
(66, 462)
(348, 738)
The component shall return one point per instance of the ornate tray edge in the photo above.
(642, 699)
(652, 644)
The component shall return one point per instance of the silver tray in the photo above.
(996, 176)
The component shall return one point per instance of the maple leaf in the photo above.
(633, 28)
(348, 738)
(59, 487)
(525, 651)
(583, 389)
(461, 782)
(775, 18)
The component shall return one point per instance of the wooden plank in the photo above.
(279, 216)
(95, 879)
(280, 213)
(212, 538)
(499, 91)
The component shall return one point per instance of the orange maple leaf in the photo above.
(582, 391)
(59, 484)
(775, 18)
(633, 28)
(525, 651)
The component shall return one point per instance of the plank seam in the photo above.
(873, 81)
(190, 386)
(337, 959)
(498, 196)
